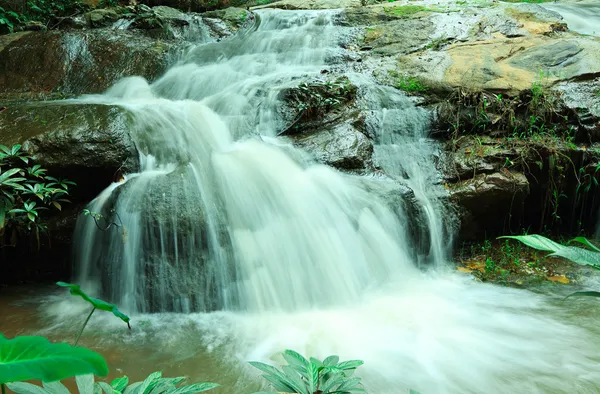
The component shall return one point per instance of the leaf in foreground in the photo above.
(35, 358)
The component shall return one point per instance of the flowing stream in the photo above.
(243, 246)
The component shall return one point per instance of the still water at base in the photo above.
(436, 335)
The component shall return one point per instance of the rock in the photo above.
(86, 143)
(77, 62)
(34, 26)
(171, 15)
(341, 146)
(583, 99)
(148, 23)
(6, 39)
(71, 22)
(196, 5)
(311, 4)
(232, 17)
(102, 17)
(488, 202)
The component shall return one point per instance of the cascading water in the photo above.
(224, 216)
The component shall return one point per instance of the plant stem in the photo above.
(3, 388)
(82, 328)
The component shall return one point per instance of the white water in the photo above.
(582, 17)
(297, 255)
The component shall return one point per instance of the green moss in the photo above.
(407, 84)
(408, 10)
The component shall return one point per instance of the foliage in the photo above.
(302, 376)
(533, 112)
(35, 358)
(16, 13)
(8, 19)
(76, 291)
(26, 191)
(154, 383)
(408, 10)
(582, 256)
(505, 263)
(313, 100)
(589, 257)
(407, 84)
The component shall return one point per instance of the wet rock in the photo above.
(583, 99)
(34, 26)
(340, 146)
(171, 15)
(86, 143)
(102, 17)
(77, 62)
(71, 22)
(233, 17)
(487, 202)
(311, 4)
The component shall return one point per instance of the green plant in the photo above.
(9, 19)
(26, 191)
(407, 84)
(589, 256)
(96, 304)
(404, 11)
(35, 358)
(302, 376)
(437, 43)
(154, 384)
(313, 100)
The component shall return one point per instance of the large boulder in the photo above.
(488, 202)
(77, 62)
(86, 143)
(341, 146)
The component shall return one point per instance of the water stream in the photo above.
(243, 247)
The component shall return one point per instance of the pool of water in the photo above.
(437, 335)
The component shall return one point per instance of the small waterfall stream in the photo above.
(226, 217)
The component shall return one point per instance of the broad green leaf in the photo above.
(55, 388)
(349, 384)
(331, 361)
(537, 242)
(351, 364)
(132, 387)
(149, 383)
(119, 384)
(294, 358)
(25, 388)
(584, 294)
(577, 255)
(7, 174)
(106, 388)
(332, 383)
(312, 376)
(85, 384)
(96, 303)
(294, 380)
(584, 241)
(193, 388)
(35, 358)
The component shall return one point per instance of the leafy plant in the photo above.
(35, 358)
(302, 376)
(154, 384)
(312, 100)
(26, 191)
(75, 290)
(589, 256)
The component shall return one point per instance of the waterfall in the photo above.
(221, 216)
(287, 253)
